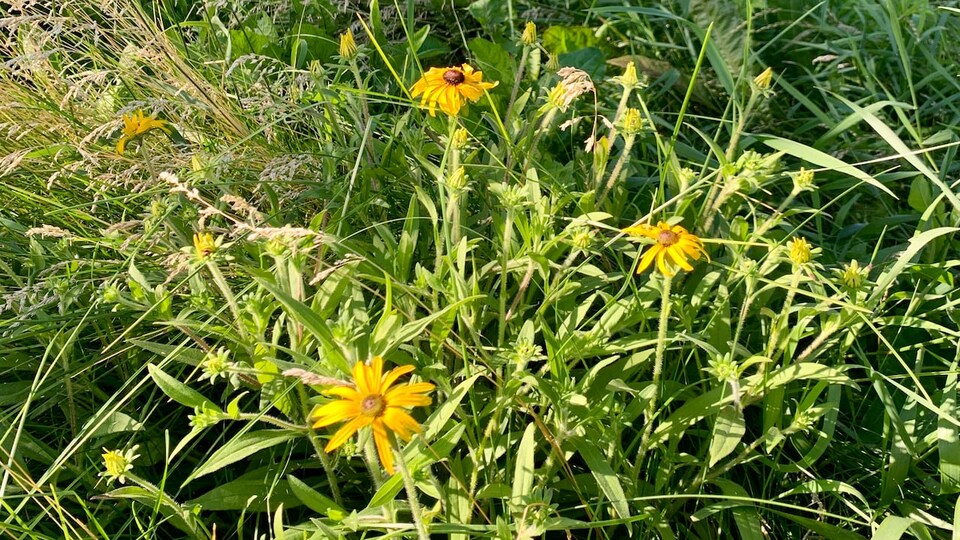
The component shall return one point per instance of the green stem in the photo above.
(504, 260)
(327, 467)
(615, 174)
(411, 489)
(657, 370)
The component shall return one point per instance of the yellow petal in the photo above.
(647, 258)
(401, 423)
(410, 395)
(678, 258)
(383, 446)
(392, 376)
(335, 412)
(345, 432)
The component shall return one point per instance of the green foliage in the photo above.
(172, 319)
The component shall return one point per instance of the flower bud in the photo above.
(529, 36)
(348, 46)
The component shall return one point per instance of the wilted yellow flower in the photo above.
(553, 62)
(373, 403)
(137, 124)
(450, 88)
(763, 80)
(348, 46)
(117, 463)
(799, 251)
(631, 122)
(852, 275)
(674, 242)
(204, 245)
(529, 36)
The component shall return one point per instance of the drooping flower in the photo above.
(374, 403)
(450, 88)
(673, 242)
(137, 124)
(117, 463)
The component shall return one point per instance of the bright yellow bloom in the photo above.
(674, 242)
(373, 403)
(450, 88)
(204, 244)
(137, 124)
(631, 122)
(799, 251)
(348, 45)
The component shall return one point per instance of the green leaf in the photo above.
(178, 391)
(606, 478)
(822, 159)
(251, 492)
(905, 257)
(314, 324)
(387, 492)
(728, 429)
(564, 39)
(948, 436)
(495, 62)
(438, 420)
(241, 446)
(892, 528)
(523, 472)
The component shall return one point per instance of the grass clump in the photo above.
(327, 270)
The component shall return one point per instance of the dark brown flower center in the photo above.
(667, 238)
(454, 76)
(372, 405)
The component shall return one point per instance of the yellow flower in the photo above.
(204, 244)
(348, 46)
(632, 121)
(117, 463)
(137, 124)
(764, 79)
(674, 242)
(629, 78)
(373, 403)
(799, 251)
(529, 36)
(852, 275)
(450, 88)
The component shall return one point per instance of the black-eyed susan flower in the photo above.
(450, 88)
(374, 403)
(137, 124)
(671, 245)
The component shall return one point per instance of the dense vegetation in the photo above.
(677, 271)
